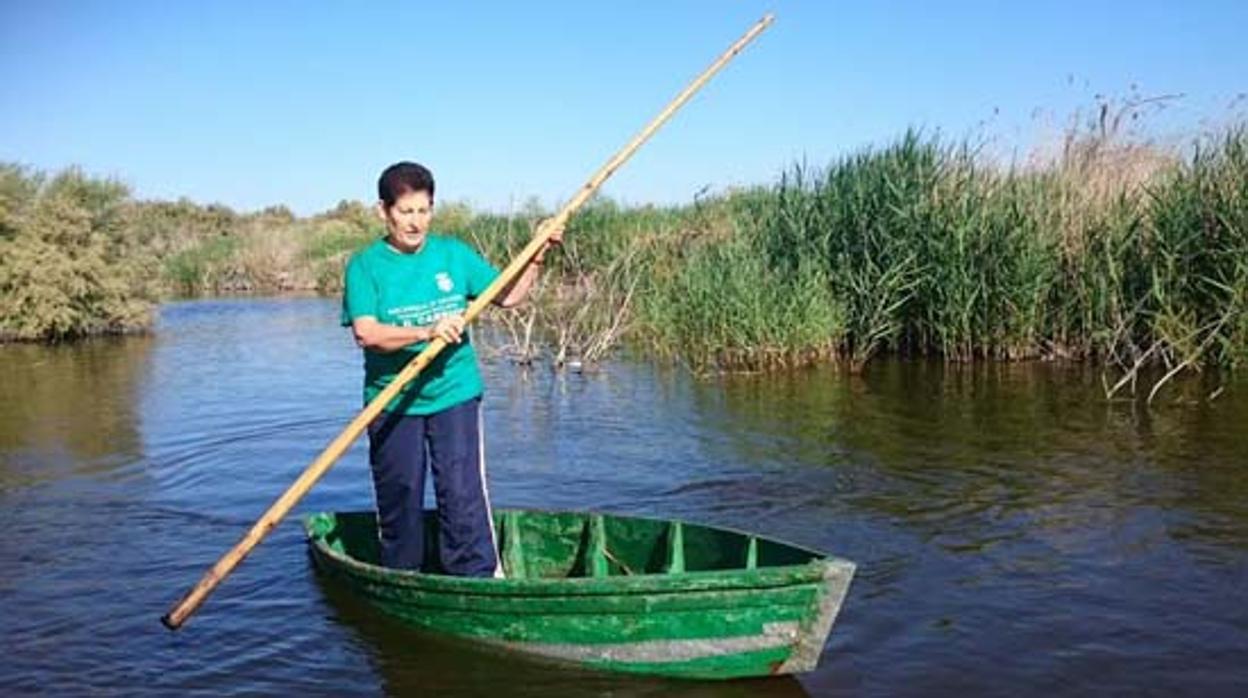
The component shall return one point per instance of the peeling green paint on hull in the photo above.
(609, 592)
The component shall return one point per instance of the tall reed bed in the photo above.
(1110, 252)
(1191, 265)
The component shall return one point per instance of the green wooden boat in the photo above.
(608, 592)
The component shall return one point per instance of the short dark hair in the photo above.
(402, 178)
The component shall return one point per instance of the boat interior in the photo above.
(545, 545)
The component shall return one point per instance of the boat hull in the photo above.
(724, 623)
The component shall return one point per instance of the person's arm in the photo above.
(515, 293)
(376, 336)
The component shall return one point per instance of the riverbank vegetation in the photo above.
(1109, 250)
(71, 261)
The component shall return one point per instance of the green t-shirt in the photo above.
(413, 290)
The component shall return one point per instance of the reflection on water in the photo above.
(69, 409)
(942, 444)
(415, 663)
(1015, 533)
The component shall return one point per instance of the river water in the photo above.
(1015, 533)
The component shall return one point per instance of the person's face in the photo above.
(408, 219)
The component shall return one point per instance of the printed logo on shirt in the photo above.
(425, 313)
(444, 282)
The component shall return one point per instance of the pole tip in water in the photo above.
(167, 621)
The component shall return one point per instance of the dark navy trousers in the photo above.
(401, 448)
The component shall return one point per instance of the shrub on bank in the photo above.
(68, 266)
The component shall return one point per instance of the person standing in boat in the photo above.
(401, 292)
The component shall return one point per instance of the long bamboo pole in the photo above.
(196, 596)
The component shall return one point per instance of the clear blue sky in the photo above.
(257, 103)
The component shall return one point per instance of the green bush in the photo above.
(68, 264)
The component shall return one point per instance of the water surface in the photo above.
(1015, 533)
